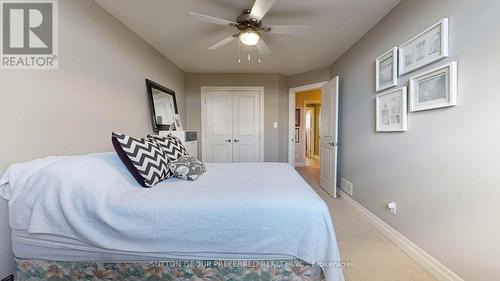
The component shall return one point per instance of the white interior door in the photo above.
(246, 126)
(328, 140)
(218, 120)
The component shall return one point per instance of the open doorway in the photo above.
(307, 127)
(299, 99)
(313, 115)
(308, 106)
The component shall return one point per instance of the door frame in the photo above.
(205, 90)
(306, 102)
(291, 116)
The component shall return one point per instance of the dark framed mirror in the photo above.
(163, 106)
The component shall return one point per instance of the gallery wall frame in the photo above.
(427, 47)
(386, 70)
(297, 117)
(435, 88)
(391, 111)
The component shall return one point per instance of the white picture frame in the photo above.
(386, 70)
(391, 111)
(177, 122)
(435, 88)
(427, 47)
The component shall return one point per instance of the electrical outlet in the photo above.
(346, 186)
(393, 207)
(8, 278)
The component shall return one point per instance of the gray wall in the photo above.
(275, 106)
(99, 88)
(444, 173)
(310, 77)
(283, 118)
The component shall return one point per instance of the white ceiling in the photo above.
(335, 25)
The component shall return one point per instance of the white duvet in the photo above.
(239, 209)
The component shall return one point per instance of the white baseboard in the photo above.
(429, 263)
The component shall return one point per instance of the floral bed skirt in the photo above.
(168, 270)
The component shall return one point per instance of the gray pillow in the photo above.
(187, 168)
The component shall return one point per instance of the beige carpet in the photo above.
(372, 257)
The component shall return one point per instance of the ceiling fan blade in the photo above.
(289, 29)
(222, 42)
(209, 19)
(260, 8)
(264, 48)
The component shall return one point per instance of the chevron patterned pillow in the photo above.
(144, 158)
(171, 145)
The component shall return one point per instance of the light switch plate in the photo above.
(275, 124)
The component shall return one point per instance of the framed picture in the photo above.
(391, 111)
(386, 66)
(162, 106)
(427, 47)
(435, 88)
(297, 117)
(297, 135)
(177, 122)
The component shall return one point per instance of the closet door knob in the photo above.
(228, 140)
(235, 140)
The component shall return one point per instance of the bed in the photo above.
(74, 215)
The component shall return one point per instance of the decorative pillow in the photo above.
(171, 145)
(187, 168)
(144, 159)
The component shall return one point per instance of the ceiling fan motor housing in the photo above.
(244, 21)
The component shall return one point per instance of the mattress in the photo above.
(277, 270)
(89, 207)
(51, 247)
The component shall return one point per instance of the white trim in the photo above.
(291, 116)
(206, 89)
(429, 263)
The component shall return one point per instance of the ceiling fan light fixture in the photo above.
(249, 37)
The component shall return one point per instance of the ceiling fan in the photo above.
(250, 26)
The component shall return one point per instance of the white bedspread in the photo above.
(240, 209)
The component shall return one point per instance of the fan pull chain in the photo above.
(259, 49)
(239, 51)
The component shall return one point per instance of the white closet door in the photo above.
(218, 118)
(246, 126)
(328, 145)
